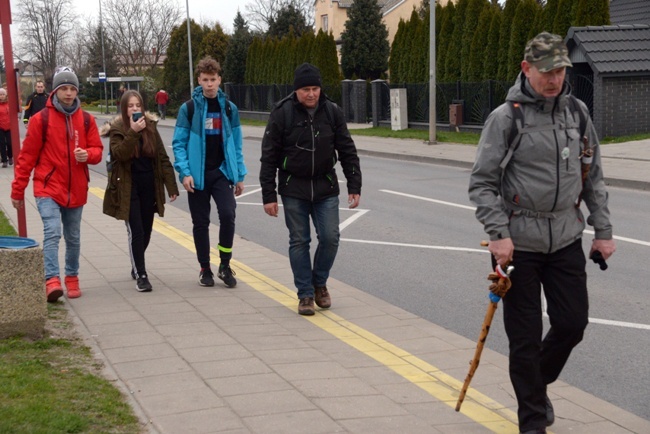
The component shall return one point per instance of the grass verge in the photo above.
(54, 385)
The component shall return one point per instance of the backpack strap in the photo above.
(45, 119)
(190, 109)
(575, 107)
(514, 137)
(287, 110)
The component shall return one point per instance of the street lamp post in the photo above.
(101, 30)
(432, 72)
(189, 47)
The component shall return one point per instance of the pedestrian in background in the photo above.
(527, 195)
(36, 101)
(140, 172)
(210, 164)
(162, 98)
(5, 130)
(303, 157)
(61, 141)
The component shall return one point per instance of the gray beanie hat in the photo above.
(64, 76)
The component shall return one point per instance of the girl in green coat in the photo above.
(140, 172)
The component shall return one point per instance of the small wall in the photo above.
(23, 306)
(626, 106)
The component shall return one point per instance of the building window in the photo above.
(323, 23)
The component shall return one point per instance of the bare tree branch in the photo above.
(260, 13)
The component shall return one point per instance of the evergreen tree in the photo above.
(504, 37)
(490, 61)
(523, 21)
(328, 62)
(405, 56)
(537, 26)
(176, 76)
(253, 59)
(422, 65)
(414, 47)
(214, 43)
(234, 66)
(304, 50)
(364, 53)
(396, 53)
(476, 53)
(288, 18)
(592, 13)
(446, 33)
(550, 10)
(472, 15)
(564, 17)
(453, 62)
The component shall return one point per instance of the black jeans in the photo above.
(218, 187)
(140, 223)
(5, 145)
(535, 363)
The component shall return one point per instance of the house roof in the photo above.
(385, 5)
(629, 12)
(612, 49)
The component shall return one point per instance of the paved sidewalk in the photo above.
(217, 360)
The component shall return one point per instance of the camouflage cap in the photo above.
(547, 52)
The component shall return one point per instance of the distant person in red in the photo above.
(161, 99)
(5, 134)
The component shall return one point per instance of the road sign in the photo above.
(102, 77)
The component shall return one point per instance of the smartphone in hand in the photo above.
(136, 116)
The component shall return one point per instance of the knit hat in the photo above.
(64, 76)
(306, 75)
(547, 52)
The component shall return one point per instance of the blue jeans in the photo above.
(325, 215)
(53, 215)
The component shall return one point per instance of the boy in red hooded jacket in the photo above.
(59, 153)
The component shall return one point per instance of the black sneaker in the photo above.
(143, 284)
(226, 274)
(206, 277)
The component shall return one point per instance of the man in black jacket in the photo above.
(35, 102)
(305, 136)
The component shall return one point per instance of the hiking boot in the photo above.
(206, 277)
(306, 306)
(226, 274)
(11, 161)
(550, 413)
(142, 283)
(322, 297)
(72, 285)
(53, 290)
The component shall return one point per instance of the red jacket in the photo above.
(4, 116)
(56, 172)
(162, 97)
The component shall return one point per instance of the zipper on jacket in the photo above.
(313, 154)
(69, 161)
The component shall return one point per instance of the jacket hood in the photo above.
(522, 92)
(116, 121)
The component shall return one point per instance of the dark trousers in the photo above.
(140, 221)
(5, 145)
(535, 363)
(216, 186)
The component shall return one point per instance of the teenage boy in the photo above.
(61, 142)
(208, 157)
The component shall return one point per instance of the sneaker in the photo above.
(53, 290)
(322, 297)
(206, 277)
(143, 284)
(4, 164)
(11, 161)
(226, 274)
(306, 306)
(72, 285)
(550, 413)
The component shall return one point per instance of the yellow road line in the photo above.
(478, 407)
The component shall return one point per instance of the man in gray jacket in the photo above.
(527, 194)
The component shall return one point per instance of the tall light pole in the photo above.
(189, 47)
(101, 31)
(432, 72)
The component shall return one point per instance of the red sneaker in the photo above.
(72, 285)
(53, 289)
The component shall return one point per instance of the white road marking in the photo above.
(471, 208)
(249, 193)
(347, 222)
(631, 325)
(419, 246)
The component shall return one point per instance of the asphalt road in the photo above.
(414, 242)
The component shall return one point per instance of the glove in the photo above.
(500, 285)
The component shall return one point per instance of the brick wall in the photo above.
(626, 103)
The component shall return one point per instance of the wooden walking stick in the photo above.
(498, 289)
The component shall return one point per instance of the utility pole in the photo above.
(101, 30)
(432, 72)
(189, 48)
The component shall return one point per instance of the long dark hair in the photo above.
(148, 135)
